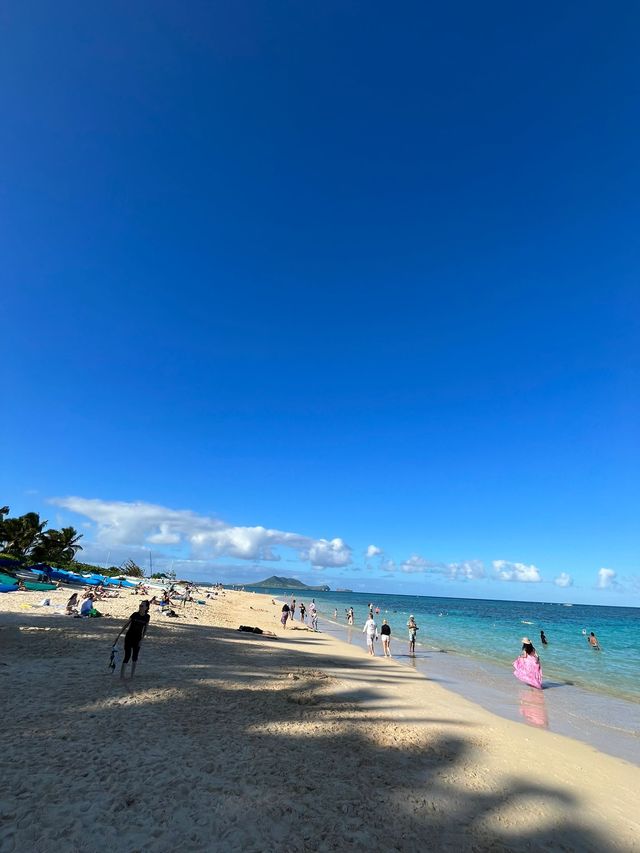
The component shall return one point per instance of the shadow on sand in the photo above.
(226, 743)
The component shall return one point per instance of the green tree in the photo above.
(20, 536)
(57, 546)
(132, 569)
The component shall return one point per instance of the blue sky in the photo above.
(284, 284)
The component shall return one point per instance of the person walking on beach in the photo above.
(371, 630)
(413, 629)
(526, 667)
(350, 616)
(134, 633)
(313, 612)
(385, 636)
(303, 611)
(293, 609)
(335, 612)
(285, 614)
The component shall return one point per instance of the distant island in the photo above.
(289, 583)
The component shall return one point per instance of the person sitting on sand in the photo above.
(72, 605)
(87, 604)
(385, 635)
(526, 667)
(371, 630)
(593, 641)
(134, 633)
(88, 607)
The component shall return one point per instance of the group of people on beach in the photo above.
(289, 612)
(371, 630)
(527, 667)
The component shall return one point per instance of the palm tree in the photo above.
(57, 546)
(20, 536)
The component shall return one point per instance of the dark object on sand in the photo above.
(251, 630)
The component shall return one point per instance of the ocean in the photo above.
(469, 645)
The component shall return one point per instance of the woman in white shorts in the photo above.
(385, 636)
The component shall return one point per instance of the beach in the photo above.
(235, 741)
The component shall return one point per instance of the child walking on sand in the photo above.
(134, 633)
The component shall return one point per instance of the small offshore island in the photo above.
(275, 582)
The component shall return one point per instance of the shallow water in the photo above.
(469, 645)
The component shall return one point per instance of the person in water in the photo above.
(413, 628)
(543, 638)
(134, 633)
(526, 667)
(593, 641)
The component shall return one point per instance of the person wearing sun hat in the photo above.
(413, 628)
(526, 667)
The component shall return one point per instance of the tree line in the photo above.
(25, 539)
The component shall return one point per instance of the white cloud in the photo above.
(467, 570)
(563, 580)
(606, 579)
(373, 551)
(506, 571)
(415, 564)
(332, 553)
(141, 524)
(388, 565)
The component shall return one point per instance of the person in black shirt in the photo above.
(385, 635)
(134, 632)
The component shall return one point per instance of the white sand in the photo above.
(227, 741)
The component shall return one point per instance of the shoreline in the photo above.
(228, 740)
(560, 707)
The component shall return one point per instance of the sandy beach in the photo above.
(230, 741)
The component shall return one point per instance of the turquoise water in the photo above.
(492, 630)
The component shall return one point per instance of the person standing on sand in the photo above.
(371, 630)
(303, 611)
(385, 635)
(134, 633)
(335, 612)
(285, 614)
(413, 628)
(313, 612)
(293, 609)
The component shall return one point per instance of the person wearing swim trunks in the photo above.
(134, 633)
(413, 628)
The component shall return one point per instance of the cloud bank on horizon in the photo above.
(200, 542)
